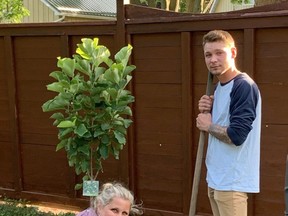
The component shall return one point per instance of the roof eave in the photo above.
(88, 16)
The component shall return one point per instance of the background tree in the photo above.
(194, 6)
(12, 11)
(265, 2)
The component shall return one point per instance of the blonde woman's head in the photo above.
(113, 198)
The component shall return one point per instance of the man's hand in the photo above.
(203, 121)
(205, 103)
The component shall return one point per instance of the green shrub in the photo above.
(19, 208)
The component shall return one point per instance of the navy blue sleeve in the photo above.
(244, 98)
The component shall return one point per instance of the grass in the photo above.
(22, 208)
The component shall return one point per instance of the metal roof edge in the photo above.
(54, 9)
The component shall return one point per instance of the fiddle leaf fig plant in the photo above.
(92, 106)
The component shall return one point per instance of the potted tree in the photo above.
(91, 108)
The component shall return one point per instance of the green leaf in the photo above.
(99, 71)
(98, 133)
(56, 87)
(64, 131)
(81, 130)
(99, 55)
(120, 137)
(58, 75)
(57, 115)
(112, 75)
(84, 149)
(123, 55)
(106, 96)
(83, 66)
(106, 126)
(127, 122)
(129, 69)
(85, 49)
(55, 104)
(105, 139)
(115, 152)
(121, 129)
(113, 93)
(67, 65)
(104, 151)
(126, 111)
(78, 186)
(95, 42)
(62, 144)
(66, 124)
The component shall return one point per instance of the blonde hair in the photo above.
(111, 190)
(218, 35)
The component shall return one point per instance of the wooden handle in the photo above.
(199, 158)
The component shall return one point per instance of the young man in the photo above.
(232, 117)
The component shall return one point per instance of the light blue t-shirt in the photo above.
(235, 167)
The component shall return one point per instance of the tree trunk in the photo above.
(172, 5)
(189, 5)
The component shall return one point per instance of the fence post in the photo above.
(286, 188)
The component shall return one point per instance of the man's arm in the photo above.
(220, 133)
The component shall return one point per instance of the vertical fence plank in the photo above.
(249, 63)
(13, 113)
(286, 188)
(120, 42)
(186, 117)
(249, 52)
(131, 133)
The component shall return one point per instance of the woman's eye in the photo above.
(114, 210)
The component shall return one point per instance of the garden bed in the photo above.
(10, 207)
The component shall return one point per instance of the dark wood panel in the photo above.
(168, 52)
(157, 143)
(36, 72)
(30, 137)
(6, 165)
(157, 65)
(275, 103)
(37, 47)
(162, 200)
(146, 77)
(156, 40)
(268, 72)
(168, 125)
(159, 212)
(272, 51)
(270, 201)
(39, 174)
(154, 89)
(271, 35)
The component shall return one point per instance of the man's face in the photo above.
(117, 207)
(219, 57)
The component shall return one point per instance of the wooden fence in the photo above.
(158, 160)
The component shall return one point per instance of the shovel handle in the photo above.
(199, 157)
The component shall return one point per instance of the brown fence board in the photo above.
(44, 176)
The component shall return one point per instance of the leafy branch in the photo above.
(92, 105)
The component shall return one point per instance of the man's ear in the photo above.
(234, 52)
